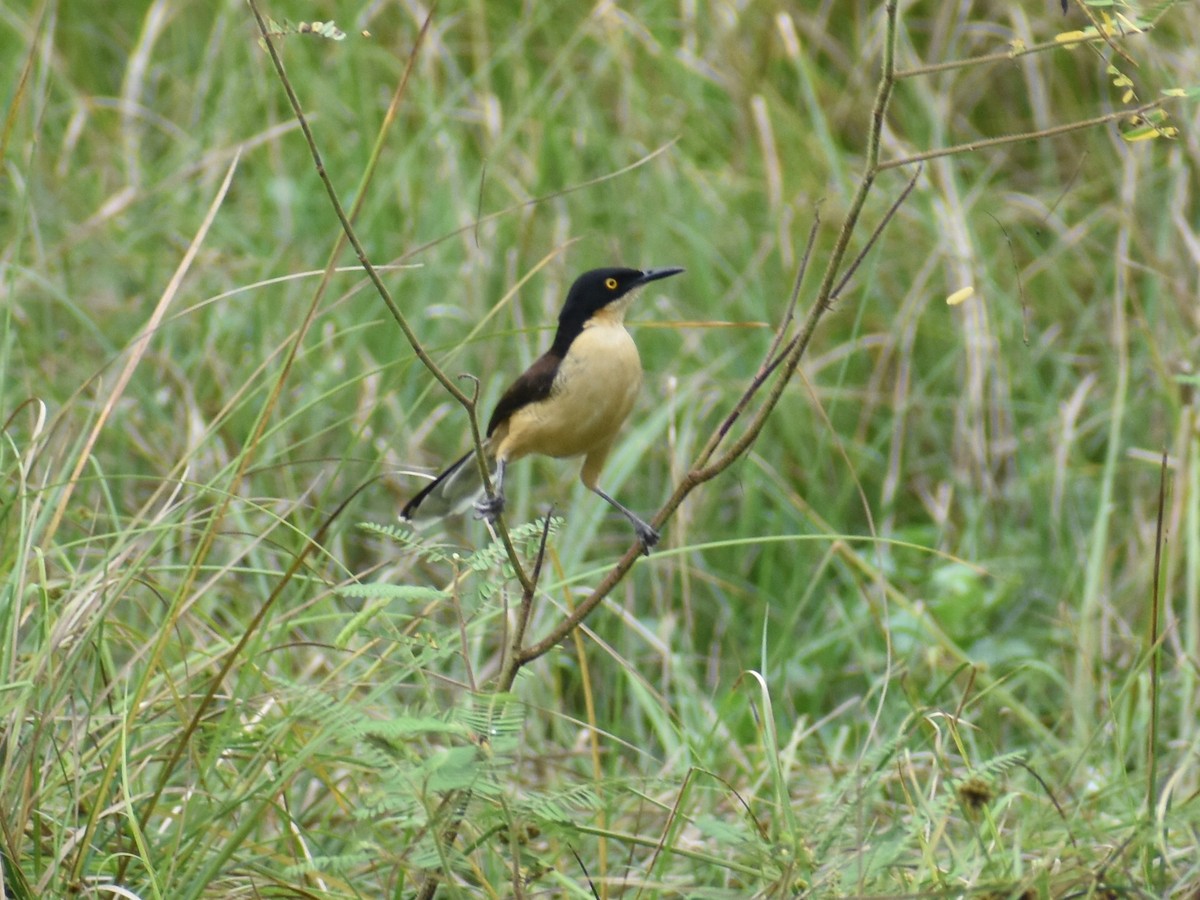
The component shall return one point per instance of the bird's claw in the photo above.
(489, 508)
(647, 535)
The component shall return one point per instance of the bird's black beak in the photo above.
(655, 274)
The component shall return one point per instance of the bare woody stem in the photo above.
(445, 380)
(702, 472)
(1057, 130)
(466, 401)
(1015, 52)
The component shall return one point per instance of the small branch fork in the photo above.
(780, 364)
(777, 369)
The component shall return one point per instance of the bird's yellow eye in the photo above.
(610, 283)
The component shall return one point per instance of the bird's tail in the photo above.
(452, 492)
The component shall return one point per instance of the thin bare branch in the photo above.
(512, 646)
(347, 227)
(883, 223)
(467, 402)
(770, 361)
(1104, 31)
(789, 314)
(702, 473)
(769, 364)
(1002, 56)
(1026, 135)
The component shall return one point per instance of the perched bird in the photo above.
(571, 402)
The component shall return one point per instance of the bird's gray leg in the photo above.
(647, 535)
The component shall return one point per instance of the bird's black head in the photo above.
(597, 289)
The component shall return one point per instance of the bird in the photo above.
(572, 401)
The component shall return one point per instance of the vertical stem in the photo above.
(1155, 650)
(1189, 474)
(1091, 607)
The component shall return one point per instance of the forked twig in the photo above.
(703, 470)
(1014, 52)
(467, 402)
(770, 359)
(1024, 136)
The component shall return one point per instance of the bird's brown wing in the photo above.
(534, 385)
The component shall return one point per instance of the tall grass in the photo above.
(902, 647)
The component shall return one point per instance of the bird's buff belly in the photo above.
(593, 394)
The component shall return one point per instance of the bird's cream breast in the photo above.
(593, 393)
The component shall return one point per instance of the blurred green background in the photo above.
(938, 557)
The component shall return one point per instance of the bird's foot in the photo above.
(647, 535)
(489, 508)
